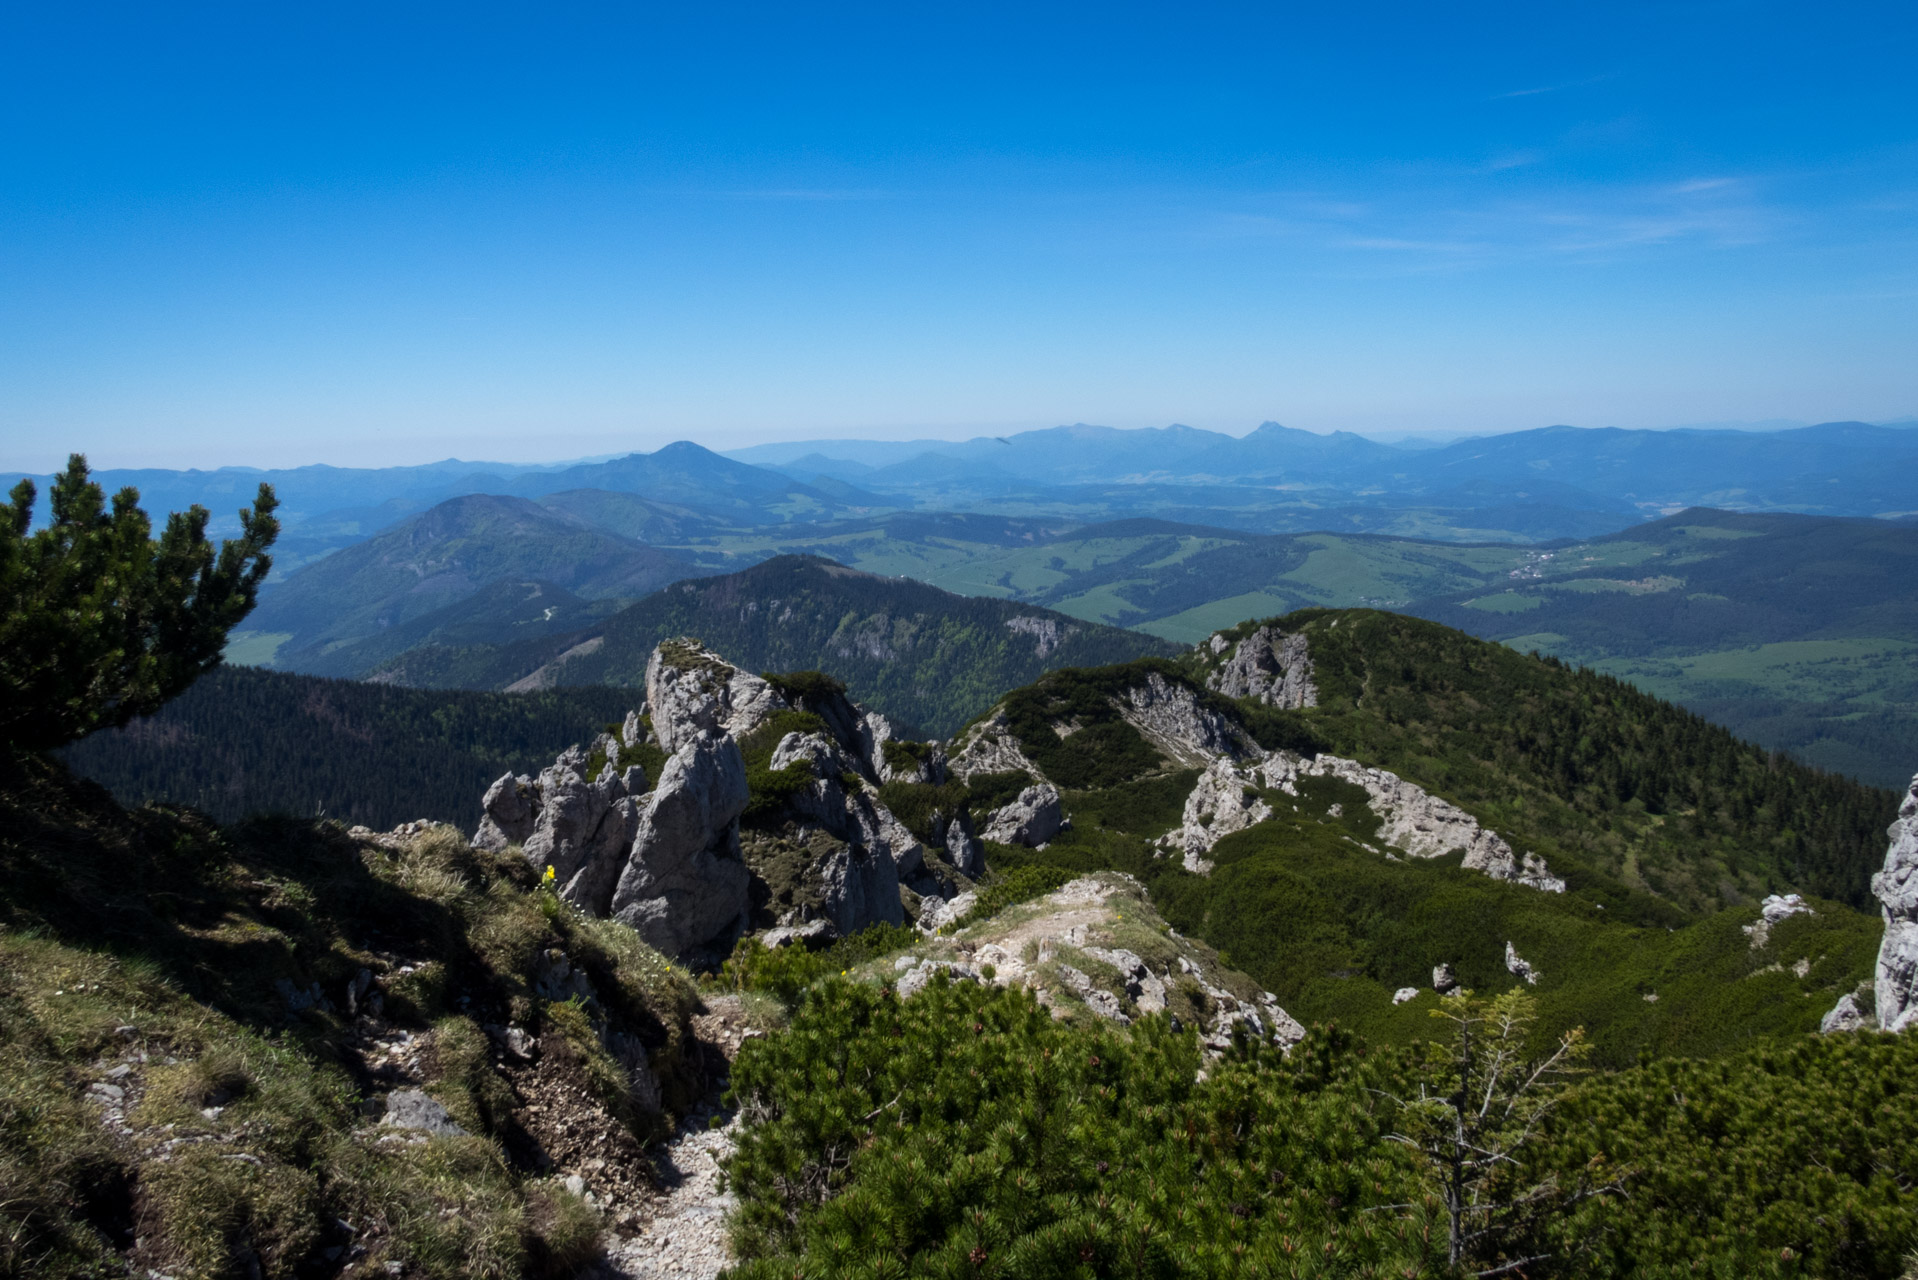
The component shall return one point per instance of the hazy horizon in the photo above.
(52, 461)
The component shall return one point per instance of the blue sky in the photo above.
(273, 234)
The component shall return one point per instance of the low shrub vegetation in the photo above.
(965, 1132)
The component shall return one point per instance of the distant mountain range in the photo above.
(1522, 486)
(1837, 468)
(1797, 632)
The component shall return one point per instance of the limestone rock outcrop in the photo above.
(1519, 967)
(1172, 719)
(1225, 799)
(859, 881)
(684, 885)
(692, 690)
(1269, 666)
(580, 828)
(1032, 819)
(1775, 908)
(1896, 887)
(1846, 1015)
(989, 747)
(1420, 823)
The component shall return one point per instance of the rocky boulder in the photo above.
(963, 849)
(1031, 820)
(684, 886)
(1268, 666)
(1896, 888)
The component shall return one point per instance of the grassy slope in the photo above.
(153, 941)
(244, 741)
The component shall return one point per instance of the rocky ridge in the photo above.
(1896, 887)
(1096, 948)
(670, 857)
(1226, 798)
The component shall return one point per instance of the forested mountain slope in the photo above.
(921, 655)
(1582, 763)
(243, 741)
(507, 611)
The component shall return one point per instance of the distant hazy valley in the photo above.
(1755, 577)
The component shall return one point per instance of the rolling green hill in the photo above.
(1796, 631)
(924, 656)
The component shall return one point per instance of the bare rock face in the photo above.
(989, 747)
(1419, 822)
(581, 829)
(859, 882)
(1896, 888)
(1034, 818)
(1223, 800)
(692, 690)
(1845, 1016)
(1047, 633)
(859, 887)
(1267, 665)
(1170, 717)
(510, 809)
(684, 885)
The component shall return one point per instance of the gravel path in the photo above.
(685, 1237)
